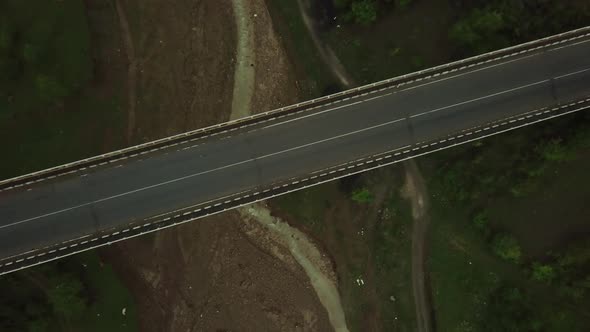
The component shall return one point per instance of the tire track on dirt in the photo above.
(416, 193)
(417, 196)
(131, 70)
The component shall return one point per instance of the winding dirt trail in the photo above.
(131, 71)
(325, 51)
(416, 191)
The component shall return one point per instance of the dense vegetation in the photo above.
(534, 290)
(75, 294)
(44, 53)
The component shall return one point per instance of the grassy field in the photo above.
(391, 249)
(108, 298)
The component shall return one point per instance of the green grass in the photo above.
(392, 252)
(315, 79)
(109, 297)
(309, 205)
(461, 278)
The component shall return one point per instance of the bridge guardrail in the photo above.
(152, 146)
(138, 228)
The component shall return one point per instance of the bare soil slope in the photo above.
(208, 275)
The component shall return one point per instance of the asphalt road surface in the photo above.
(51, 212)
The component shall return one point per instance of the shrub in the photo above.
(364, 11)
(542, 272)
(480, 221)
(362, 196)
(507, 247)
(478, 29)
(552, 150)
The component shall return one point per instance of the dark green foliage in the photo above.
(542, 272)
(362, 196)
(509, 310)
(363, 11)
(38, 298)
(479, 31)
(512, 165)
(49, 88)
(65, 296)
(481, 222)
(506, 247)
(553, 150)
(44, 53)
(487, 25)
(404, 3)
(572, 269)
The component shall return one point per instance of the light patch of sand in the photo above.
(309, 258)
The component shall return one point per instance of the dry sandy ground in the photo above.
(302, 248)
(216, 274)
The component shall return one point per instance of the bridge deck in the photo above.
(83, 203)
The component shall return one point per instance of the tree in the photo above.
(364, 11)
(509, 309)
(507, 247)
(479, 31)
(44, 53)
(542, 272)
(552, 150)
(481, 223)
(362, 196)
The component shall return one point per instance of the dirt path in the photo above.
(326, 53)
(415, 191)
(131, 69)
